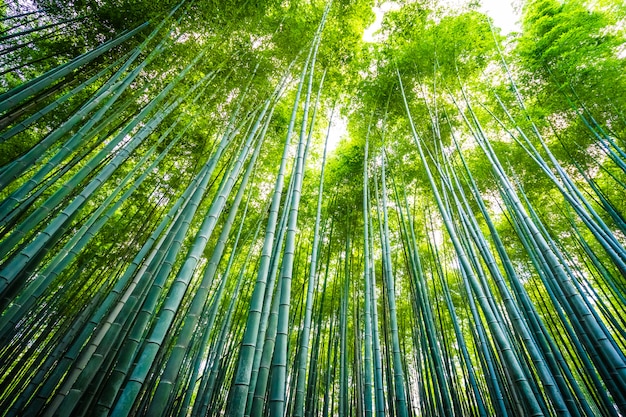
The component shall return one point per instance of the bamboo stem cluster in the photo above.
(134, 280)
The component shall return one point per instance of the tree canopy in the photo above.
(243, 208)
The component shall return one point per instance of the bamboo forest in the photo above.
(312, 208)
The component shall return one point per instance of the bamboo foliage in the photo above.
(460, 251)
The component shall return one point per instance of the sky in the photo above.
(502, 13)
(368, 35)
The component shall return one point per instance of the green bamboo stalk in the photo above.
(13, 97)
(78, 241)
(259, 403)
(155, 339)
(424, 309)
(267, 331)
(573, 196)
(304, 343)
(115, 292)
(19, 262)
(239, 390)
(279, 361)
(369, 409)
(97, 220)
(520, 380)
(193, 313)
(399, 381)
(379, 394)
(209, 381)
(6, 37)
(312, 385)
(577, 334)
(521, 328)
(604, 346)
(22, 260)
(159, 267)
(23, 125)
(112, 89)
(527, 308)
(482, 411)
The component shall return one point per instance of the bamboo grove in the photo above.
(182, 233)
